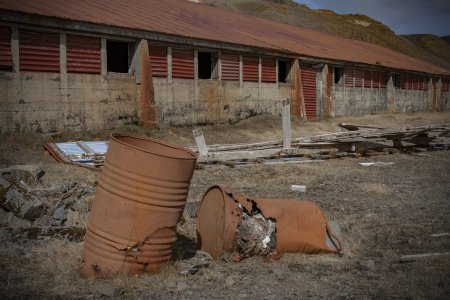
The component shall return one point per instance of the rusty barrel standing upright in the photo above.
(138, 202)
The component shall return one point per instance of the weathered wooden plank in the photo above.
(200, 141)
(86, 148)
(415, 257)
(353, 127)
(235, 155)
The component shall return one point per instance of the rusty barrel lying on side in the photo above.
(138, 202)
(301, 226)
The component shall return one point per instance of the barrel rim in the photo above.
(116, 136)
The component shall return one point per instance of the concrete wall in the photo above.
(187, 102)
(48, 102)
(411, 101)
(348, 101)
(446, 99)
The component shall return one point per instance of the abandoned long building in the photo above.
(97, 65)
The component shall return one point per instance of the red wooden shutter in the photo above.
(230, 66)
(375, 79)
(383, 80)
(83, 54)
(5, 49)
(445, 85)
(413, 80)
(425, 82)
(406, 85)
(183, 63)
(404, 81)
(367, 78)
(250, 68)
(349, 77)
(268, 70)
(39, 51)
(158, 60)
(421, 85)
(410, 82)
(358, 78)
(308, 76)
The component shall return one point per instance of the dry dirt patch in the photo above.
(384, 212)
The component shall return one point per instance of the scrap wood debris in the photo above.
(376, 164)
(370, 141)
(354, 143)
(86, 154)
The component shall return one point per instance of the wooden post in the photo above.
(286, 114)
(200, 140)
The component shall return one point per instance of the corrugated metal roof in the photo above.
(184, 18)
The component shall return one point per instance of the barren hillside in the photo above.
(360, 27)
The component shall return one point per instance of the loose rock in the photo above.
(230, 280)
(190, 210)
(29, 174)
(23, 204)
(59, 216)
(105, 289)
(182, 286)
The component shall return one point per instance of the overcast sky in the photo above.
(402, 16)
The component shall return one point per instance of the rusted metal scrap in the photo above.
(138, 202)
(300, 226)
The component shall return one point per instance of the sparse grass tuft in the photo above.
(375, 188)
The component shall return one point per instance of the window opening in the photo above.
(338, 72)
(117, 56)
(207, 65)
(282, 71)
(397, 81)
